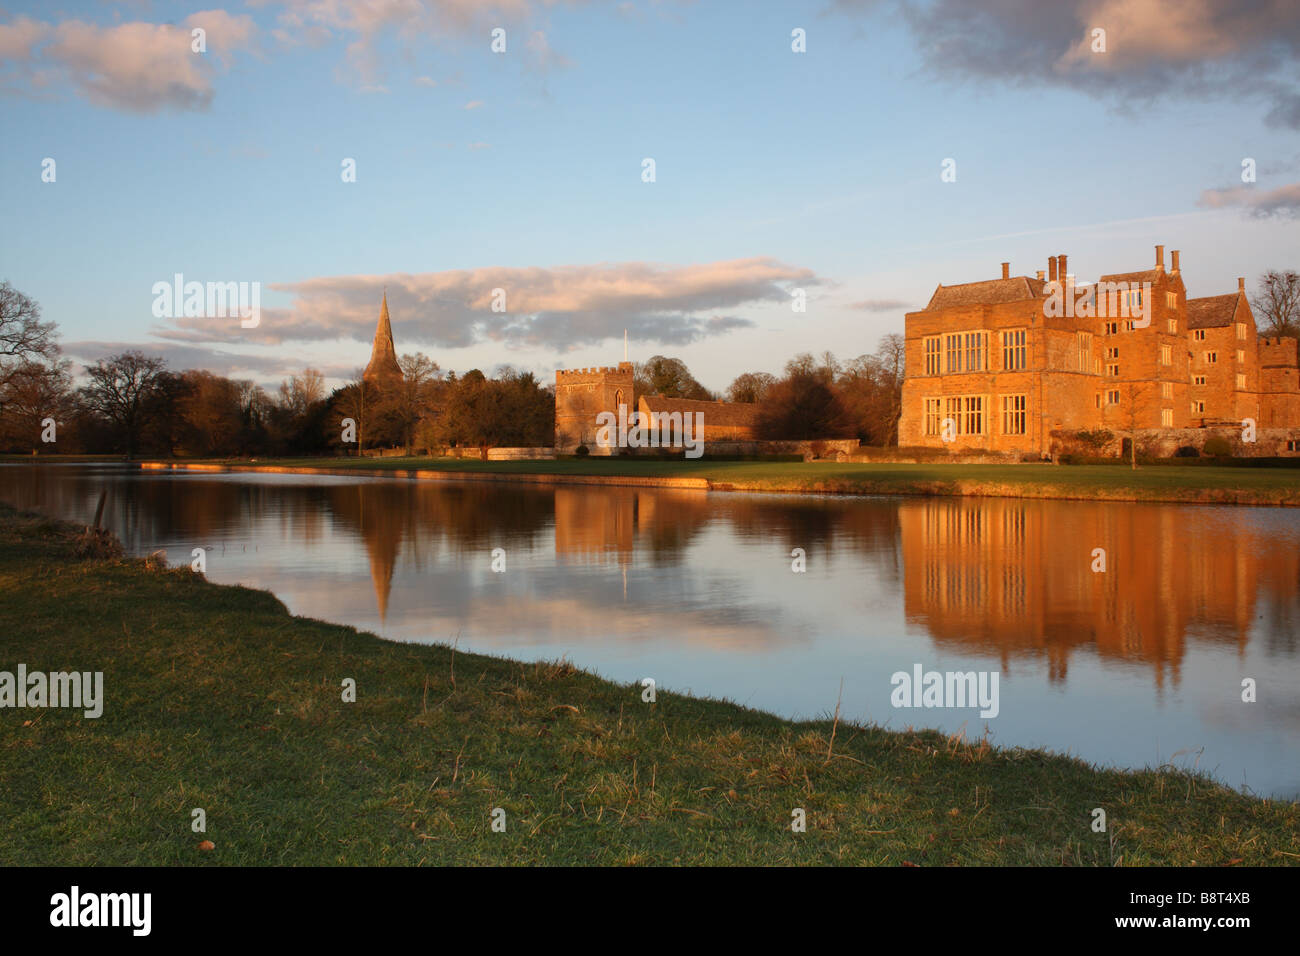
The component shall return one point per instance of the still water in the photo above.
(1139, 666)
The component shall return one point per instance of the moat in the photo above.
(1140, 665)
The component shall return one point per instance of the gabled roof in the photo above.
(715, 413)
(1213, 311)
(988, 292)
(1146, 275)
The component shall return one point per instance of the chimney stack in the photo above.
(1241, 284)
(1060, 266)
(1006, 270)
(1160, 258)
(1174, 256)
(1051, 268)
(1041, 275)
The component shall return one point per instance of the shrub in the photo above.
(1217, 447)
(1187, 451)
(1096, 440)
(582, 451)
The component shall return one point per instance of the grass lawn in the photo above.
(217, 698)
(1203, 483)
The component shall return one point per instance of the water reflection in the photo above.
(697, 589)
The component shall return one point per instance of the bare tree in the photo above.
(1278, 303)
(119, 389)
(23, 336)
(300, 392)
(750, 387)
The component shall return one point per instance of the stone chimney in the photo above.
(1241, 284)
(1160, 258)
(1040, 275)
(1060, 266)
(1006, 270)
(1174, 256)
(1051, 268)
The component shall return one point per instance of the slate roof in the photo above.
(988, 292)
(715, 413)
(1211, 312)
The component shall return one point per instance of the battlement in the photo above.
(1278, 350)
(577, 374)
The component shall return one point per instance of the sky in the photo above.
(779, 174)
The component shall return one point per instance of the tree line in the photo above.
(132, 404)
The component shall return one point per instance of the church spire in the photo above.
(383, 365)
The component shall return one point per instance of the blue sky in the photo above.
(775, 170)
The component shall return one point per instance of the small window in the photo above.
(1112, 328)
(1113, 370)
(1198, 408)
(1112, 396)
(1112, 355)
(932, 355)
(1293, 444)
(1211, 358)
(1198, 379)
(1198, 335)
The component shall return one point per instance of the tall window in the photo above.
(977, 351)
(1166, 355)
(1173, 326)
(1085, 351)
(932, 356)
(1171, 299)
(932, 413)
(1241, 331)
(1166, 389)
(974, 415)
(1241, 356)
(1014, 352)
(1241, 382)
(1167, 417)
(952, 345)
(1013, 414)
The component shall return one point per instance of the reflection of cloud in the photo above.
(563, 307)
(1283, 201)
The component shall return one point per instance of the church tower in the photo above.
(383, 368)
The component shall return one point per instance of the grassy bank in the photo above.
(1201, 483)
(217, 698)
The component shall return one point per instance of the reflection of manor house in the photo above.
(583, 394)
(1005, 369)
(1015, 578)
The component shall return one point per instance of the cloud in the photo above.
(180, 357)
(138, 67)
(541, 57)
(880, 305)
(1154, 48)
(473, 104)
(562, 308)
(1283, 201)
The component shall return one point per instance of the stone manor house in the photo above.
(999, 364)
